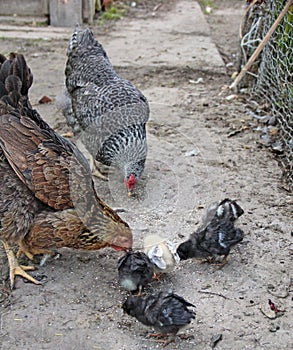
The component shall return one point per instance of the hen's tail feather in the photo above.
(2, 58)
(15, 80)
(20, 69)
(5, 68)
(74, 39)
(80, 36)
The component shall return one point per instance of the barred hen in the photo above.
(107, 112)
(47, 197)
(165, 311)
(217, 235)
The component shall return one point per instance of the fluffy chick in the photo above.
(217, 234)
(166, 312)
(161, 252)
(135, 271)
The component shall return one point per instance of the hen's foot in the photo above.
(157, 276)
(16, 268)
(96, 171)
(213, 262)
(164, 339)
(25, 252)
(185, 336)
(209, 260)
(139, 291)
(31, 252)
(68, 134)
(222, 263)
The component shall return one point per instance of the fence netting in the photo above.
(271, 75)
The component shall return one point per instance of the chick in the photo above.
(161, 252)
(135, 270)
(166, 312)
(217, 234)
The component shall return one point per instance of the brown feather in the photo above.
(48, 199)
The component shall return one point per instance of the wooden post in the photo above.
(65, 13)
(88, 11)
(261, 45)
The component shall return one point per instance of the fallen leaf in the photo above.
(45, 99)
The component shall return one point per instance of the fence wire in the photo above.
(271, 75)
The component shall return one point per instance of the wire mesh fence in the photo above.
(271, 74)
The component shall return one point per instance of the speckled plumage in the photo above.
(47, 197)
(217, 234)
(107, 111)
(165, 311)
(135, 271)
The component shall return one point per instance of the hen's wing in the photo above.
(100, 98)
(46, 163)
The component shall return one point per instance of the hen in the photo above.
(216, 235)
(47, 197)
(165, 311)
(107, 112)
(135, 270)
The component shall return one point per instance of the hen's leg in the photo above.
(95, 170)
(30, 252)
(164, 339)
(68, 134)
(209, 260)
(16, 268)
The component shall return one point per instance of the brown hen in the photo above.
(47, 197)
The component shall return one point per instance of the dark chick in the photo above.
(135, 270)
(216, 235)
(166, 312)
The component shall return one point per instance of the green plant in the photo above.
(206, 5)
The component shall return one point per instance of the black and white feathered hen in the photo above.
(107, 111)
(216, 235)
(166, 312)
(135, 270)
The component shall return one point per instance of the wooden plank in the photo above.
(65, 13)
(24, 7)
(88, 11)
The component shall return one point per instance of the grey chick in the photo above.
(216, 235)
(135, 271)
(161, 252)
(166, 312)
(107, 112)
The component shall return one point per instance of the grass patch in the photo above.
(207, 6)
(112, 14)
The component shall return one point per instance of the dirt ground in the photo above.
(78, 306)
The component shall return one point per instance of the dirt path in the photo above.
(78, 306)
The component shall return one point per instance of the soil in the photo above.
(210, 149)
